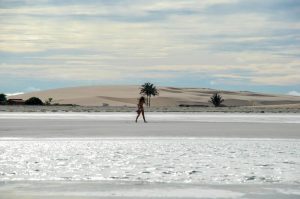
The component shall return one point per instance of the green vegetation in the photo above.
(48, 101)
(3, 99)
(149, 90)
(216, 99)
(34, 101)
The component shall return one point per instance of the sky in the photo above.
(241, 45)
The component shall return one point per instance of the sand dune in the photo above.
(169, 96)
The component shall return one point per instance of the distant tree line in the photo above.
(31, 101)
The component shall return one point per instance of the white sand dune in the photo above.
(169, 96)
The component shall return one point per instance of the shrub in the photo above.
(3, 99)
(34, 101)
(216, 99)
(48, 101)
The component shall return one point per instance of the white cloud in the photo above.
(32, 89)
(292, 79)
(13, 94)
(29, 34)
(135, 8)
(212, 83)
(212, 45)
(294, 93)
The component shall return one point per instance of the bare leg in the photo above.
(144, 116)
(137, 117)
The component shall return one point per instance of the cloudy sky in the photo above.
(223, 44)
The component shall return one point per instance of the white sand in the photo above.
(136, 190)
(162, 117)
(45, 125)
(54, 127)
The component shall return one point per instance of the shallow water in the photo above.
(199, 160)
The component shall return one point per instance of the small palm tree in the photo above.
(49, 101)
(149, 90)
(216, 99)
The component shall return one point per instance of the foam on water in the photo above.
(211, 161)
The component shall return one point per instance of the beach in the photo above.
(132, 108)
(49, 125)
(174, 155)
(151, 99)
(135, 190)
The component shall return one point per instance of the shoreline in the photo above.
(72, 134)
(241, 109)
(159, 117)
(136, 190)
(161, 125)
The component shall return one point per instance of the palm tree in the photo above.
(216, 99)
(149, 90)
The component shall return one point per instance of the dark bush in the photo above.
(34, 101)
(3, 99)
(216, 99)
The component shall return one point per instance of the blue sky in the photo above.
(224, 44)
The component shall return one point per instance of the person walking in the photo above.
(141, 109)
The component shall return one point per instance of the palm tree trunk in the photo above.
(150, 101)
(147, 100)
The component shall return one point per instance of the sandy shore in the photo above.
(132, 108)
(135, 190)
(43, 127)
(47, 125)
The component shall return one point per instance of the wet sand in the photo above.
(49, 125)
(135, 190)
(22, 126)
(291, 108)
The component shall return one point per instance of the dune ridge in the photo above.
(169, 96)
